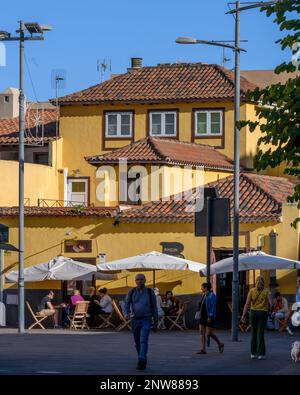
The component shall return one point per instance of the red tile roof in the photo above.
(259, 201)
(166, 151)
(103, 212)
(163, 83)
(9, 127)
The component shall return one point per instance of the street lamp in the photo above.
(237, 81)
(32, 28)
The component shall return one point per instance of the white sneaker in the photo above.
(261, 357)
(289, 331)
(252, 356)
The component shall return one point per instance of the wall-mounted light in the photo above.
(101, 258)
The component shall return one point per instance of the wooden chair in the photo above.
(283, 322)
(124, 322)
(243, 326)
(106, 320)
(78, 319)
(38, 317)
(178, 320)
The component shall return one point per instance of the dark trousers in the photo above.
(258, 320)
(141, 330)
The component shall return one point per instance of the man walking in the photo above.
(141, 307)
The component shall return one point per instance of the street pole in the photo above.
(235, 276)
(208, 238)
(21, 301)
(1, 276)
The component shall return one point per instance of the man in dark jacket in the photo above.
(141, 307)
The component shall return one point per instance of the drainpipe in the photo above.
(65, 186)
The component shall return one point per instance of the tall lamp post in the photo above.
(34, 31)
(237, 78)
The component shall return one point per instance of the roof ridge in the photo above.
(260, 188)
(152, 141)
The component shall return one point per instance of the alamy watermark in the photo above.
(140, 184)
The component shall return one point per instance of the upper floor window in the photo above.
(208, 123)
(163, 123)
(118, 124)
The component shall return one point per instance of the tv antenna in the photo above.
(102, 68)
(224, 58)
(58, 81)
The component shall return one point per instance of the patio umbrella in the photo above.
(151, 261)
(256, 260)
(60, 268)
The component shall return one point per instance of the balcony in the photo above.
(62, 203)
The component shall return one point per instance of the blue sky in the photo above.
(84, 31)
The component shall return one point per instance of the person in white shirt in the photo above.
(105, 303)
(161, 313)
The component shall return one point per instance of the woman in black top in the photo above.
(93, 309)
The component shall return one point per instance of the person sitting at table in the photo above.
(105, 303)
(161, 313)
(70, 307)
(280, 309)
(93, 308)
(46, 308)
(170, 304)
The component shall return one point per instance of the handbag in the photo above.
(198, 313)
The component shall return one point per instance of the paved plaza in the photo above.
(92, 352)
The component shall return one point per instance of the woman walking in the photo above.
(207, 315)
(258, 301)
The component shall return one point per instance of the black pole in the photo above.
(208, 246)
(208, 238)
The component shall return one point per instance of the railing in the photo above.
(61, 203)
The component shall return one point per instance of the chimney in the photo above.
(136, 63)
(9, 103)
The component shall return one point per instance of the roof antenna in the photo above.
(224, 59)
(102, 67)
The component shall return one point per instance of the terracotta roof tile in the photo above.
(166, 151)
(103, 212)
(257, 203)
(163, 83)
(9, 127)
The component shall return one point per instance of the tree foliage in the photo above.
(279, 110)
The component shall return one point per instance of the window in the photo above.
(78, 191)
(6, 99)
(208, 123)
(163, 123)
(118, 124)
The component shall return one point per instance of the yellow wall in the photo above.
(131, 239)
(40, 181)
(82, 131)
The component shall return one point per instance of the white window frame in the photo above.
(163, 123)
(208, 128)
(118, 114)
(70, 193)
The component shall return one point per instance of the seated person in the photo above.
(161, 313)
(105, 303)
(70, 307)
(170, 304)
(46, 308)
(280, 309)
(93, 308)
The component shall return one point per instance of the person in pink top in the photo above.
(75, 298)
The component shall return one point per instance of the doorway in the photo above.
(224, 288)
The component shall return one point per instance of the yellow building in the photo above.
(172, 124)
